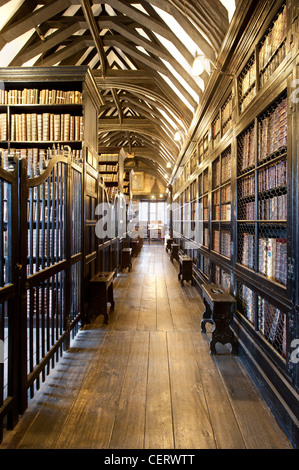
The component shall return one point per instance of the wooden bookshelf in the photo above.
(247, 200)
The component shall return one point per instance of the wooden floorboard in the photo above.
(147, 380)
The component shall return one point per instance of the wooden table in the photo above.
(219, 311)
(169, 241)
(126, 258)
(100, 293)
(174, 252)
(185, 273)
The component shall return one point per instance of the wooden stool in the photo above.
(100, 293)
(174, 252)
(219, 312)
(126, 258)
(185, 273)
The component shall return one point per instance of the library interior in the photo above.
(149, 229)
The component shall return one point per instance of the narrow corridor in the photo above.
(146, 380)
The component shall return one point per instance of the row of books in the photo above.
(107, 168)
(274, 208)
(216, 241)
(110, 178)
(216, 129)
(273, 39)
(247, 211)
(273, 130)
(45, 127)
(273, 259)
(246, 154)
(37, 212)
(226, 243)
(248, 77)
(273, 176)
(38, 158)
(273, 63)
(226, 168)
(247, 253)
(226, 112)
(245, 102)
(47, 242)
(35, 96)
(246, 186)
(4, 210)
(272, 324)
(247, 299)
(3, 126)
(203, 147)
(225, 212)
(222, 278)
(5, 244)
(216, 173)
(226, 194)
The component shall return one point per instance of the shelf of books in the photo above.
(267, 57)
(272, 48)
(38, 117)
(109, 173)
(262, 229)
(265, 317)
(262, 195)
(221, 204)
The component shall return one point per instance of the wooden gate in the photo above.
(41, 310)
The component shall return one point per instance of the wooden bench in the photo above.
(100, 293)
(135, 247)
(168, 244)
(126, 258)
(219, 311)
(185, 273)
(174, 252)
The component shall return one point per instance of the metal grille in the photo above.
(221, 277)
(216, 239)
(5, 241)
(272, 325)
(216, 129)
(215, 204)
(216, 173)
(272, 255)
(246, 150)
(4, 347)
(45, 319)
(46, 215)
(226, 240)
(76, 212)
(75, 310)
(246, 245)
(247, 84)
(206, 181)
(226, 113)
(226, 167)
(246, 302)
(272, 48)
(273, 130)
(246, 197)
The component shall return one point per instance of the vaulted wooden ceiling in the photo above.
(141, 54)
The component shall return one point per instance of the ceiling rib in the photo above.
(139, 59)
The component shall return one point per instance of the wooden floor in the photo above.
(147, 380)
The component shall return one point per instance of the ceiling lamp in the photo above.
(168, 165)
(198, 67)
(178, 136)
